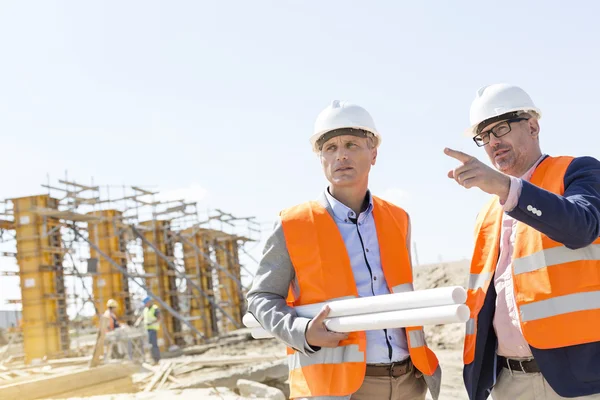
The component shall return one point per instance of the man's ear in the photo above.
(534, 127)
(374, 159)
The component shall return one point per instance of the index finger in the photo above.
(459, 155)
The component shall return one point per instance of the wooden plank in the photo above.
(5, 376)
(176, 381)
(218, 362)
(164, 377)
(69, 361)
(157, 377)
(99, 347)
(150, 367)
(53, 386)
(19, 373)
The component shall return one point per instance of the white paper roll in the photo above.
(260, 333)
(389, 302)
(456, 313)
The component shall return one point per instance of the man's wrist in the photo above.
(504, 188)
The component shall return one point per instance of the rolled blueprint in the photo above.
(450, 314)
(374, 304)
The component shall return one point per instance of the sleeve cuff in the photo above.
(513, 194)
(307, 347)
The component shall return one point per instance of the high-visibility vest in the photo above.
(111, 321)
(557, 290)
(324, 273)
(150, 319)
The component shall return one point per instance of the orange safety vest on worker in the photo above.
(324, 273)
(111, 321)
(551, 281)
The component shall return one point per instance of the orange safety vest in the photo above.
(554, 286)
(111, 322)
(324, 273)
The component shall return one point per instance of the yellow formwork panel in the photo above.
(39, 256)
(109, 283)
(163, 283)
(198, 268)
(229, 291)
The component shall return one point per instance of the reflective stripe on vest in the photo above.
(319, 256)
(337, 355)
(557, 290)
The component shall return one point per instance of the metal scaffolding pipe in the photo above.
(150, 294)
(211, 262)
(183, 276)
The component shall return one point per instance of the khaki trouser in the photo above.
(519, 385)
(410, 386)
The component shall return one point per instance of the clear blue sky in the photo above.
(218, 99)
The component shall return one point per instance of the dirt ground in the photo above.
(212, 372)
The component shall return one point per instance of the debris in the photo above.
(164, 377)
(167, 367)
(255, 389)
(185, 368)
(269, 371)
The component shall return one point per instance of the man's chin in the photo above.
(343, 181)
(504, 167)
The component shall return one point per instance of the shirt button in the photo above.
(367, 250)
(374, 278)
(390, 337)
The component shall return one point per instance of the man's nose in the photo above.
(342, 154)
(494, 141)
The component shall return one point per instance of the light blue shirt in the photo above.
(363, 249)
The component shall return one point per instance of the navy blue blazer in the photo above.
(573, 220)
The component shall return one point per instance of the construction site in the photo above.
(73, 247)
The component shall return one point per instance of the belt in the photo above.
(527, 366)
(394, 370)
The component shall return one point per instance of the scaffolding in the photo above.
(162, 275)
(196, 258)
(109, 283)
(76, 247)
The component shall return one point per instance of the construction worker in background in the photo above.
(152, 322)
(534, 287)
(348, 243)
(111, 317)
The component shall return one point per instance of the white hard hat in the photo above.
(112, 303)
(498, 99)
(342, 114)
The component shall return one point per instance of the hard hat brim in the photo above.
(315, 137)
(471, 131)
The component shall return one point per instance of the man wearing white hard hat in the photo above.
(111, 316)
(347, 243)
(534, 285)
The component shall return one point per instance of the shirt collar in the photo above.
(342, 211)
(527, 175)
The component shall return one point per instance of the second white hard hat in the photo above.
(342, 114)
(498, 99)
(112, 303)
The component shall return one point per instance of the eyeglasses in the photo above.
(499, 130)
